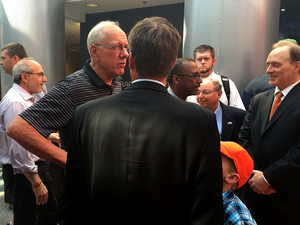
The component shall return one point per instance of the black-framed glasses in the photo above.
(195, 75)
(205, 93)
(116, 47)
(39, 74)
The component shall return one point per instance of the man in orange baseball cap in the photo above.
(237, 168)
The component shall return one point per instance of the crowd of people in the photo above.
(175, 147)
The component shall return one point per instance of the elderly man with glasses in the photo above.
(229, 119)
(108, 48)
(184, 78)
(34, 200)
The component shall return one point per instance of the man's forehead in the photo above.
(203, 54)
(278, 55)
(206, 84)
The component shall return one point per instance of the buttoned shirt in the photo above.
(218, 112)
(235, 211)
(14, 102)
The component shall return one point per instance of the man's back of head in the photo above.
(154, 44)
(10, 55)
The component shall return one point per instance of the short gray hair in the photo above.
(21, 67)
(216, 83)
(96, 33)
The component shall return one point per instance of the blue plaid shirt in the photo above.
(235, 211)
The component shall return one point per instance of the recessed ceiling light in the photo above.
(282, 10)
(92, 5)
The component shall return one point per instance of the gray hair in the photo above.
(21, 67)
(216, 83)
(96, 33)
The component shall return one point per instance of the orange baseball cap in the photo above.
(242, 160)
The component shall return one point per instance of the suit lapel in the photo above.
(288, 100)
(266, 109)
(227, 123)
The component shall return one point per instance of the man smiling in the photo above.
(270, 134)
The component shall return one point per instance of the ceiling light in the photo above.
(282, 10)
(92, 5)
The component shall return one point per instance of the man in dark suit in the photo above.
(229, 119)
(143, 156)
(273, 196)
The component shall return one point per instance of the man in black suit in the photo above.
(143, 156)
(273, 196)
(229, 119)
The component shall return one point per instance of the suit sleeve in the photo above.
(208, 206)
(245, 133)
(75, 176)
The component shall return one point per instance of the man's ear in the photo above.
(93, 52)
(176, 79)
(220, 93)
(24, 77)
(232, 178)
(297, 66)
(214, 61)
(16, 59)
(131, 61)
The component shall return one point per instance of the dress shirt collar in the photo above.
(219, 113)
(150, 80)
(286, 90)
(94, 76)
(25, 95)
(172, 92)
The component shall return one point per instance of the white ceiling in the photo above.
(75, 11)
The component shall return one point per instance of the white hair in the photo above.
(96, 33)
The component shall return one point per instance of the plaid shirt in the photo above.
(235, 211)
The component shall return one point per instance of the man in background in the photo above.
(229, 119)
(184, 78)
(34, 201)
(204, 56)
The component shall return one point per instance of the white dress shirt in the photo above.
(13, 103)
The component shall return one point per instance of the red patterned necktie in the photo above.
(276, 104)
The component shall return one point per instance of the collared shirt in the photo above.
(219, 113)
(172, 92)
(151, 80)
(284, 91)
(14, 102)
(55, 110)
(235, 98)
(235, 211)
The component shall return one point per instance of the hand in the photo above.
(41, 194)
(259, 185)
(54, 137)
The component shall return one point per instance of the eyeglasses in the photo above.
(195, 75)
(39, 74)
(205, 93)
(116, 47)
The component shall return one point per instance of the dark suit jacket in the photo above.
(144, 157)
(232, 120)
(275, 147)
